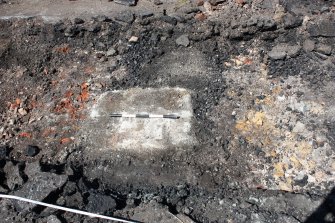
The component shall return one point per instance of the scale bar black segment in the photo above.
(144, 115)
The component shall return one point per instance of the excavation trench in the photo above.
(254, 136)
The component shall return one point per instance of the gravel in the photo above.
(39, 186)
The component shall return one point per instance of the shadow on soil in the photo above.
(325, 212)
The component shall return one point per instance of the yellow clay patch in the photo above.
(279, 170)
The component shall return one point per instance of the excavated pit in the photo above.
(107, 134)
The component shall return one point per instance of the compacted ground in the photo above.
(252, 81)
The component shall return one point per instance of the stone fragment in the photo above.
(308, 45)
(39, 185)
(252, 22)
(216, 2)
(133, 39)
(145, 15)
(4, 150)
(234, 24)
(184, 218)
(200, 16)
(14, 179)
(325, 28)
(169, 19)
(301, 180)
(269, 24)
(95, 28)
(324, 9)
(71, 31)
(240, 2)
(111, 52)
(280, 13)
(99, 55)
(177, 16)
(299, 128)
(321, 55)
(78, 21)
(125, 16)
(293, 51)
(70, 188)
(324, 49)
(189, 10)
(277, 53)
(143, 213)
(53, 219)
(158, 2)
(183, 40)
(3, 190)
(98, 85)
(208, 7)
(292, 21)
(284, 218)
(100, 46)
(102, 18)
(126, 2)
(75, 200)
(199, 2)
(22, 111)
(280, 51)
(98, 203)
(267, 4)
(32, 150)
(257, 218)
(302, 204)
(4, 46)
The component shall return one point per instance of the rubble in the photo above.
(39, 186)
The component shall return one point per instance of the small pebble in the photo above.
(22, 111)
(157, 2)
(3, 151)
(98, 85)
(111, 52)
(53, 219)
(324, 49)
(200, 2)
(183, 40)
(32, 150)
(78, 21)
(200, 16)
(309, 45)
(133, 39)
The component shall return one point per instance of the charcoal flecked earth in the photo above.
(252, 81)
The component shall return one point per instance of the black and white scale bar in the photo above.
(144, 115)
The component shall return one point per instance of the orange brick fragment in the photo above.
(65, 140)
(247, 61)
(25, 135)
(200, 16)
(18, 101)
